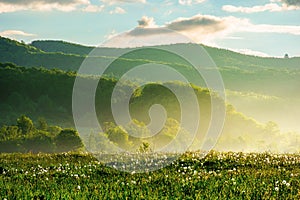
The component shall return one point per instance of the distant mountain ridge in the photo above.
(12, 51)
(222, 57)
(61, 46)
(244, 73)
(69, 56)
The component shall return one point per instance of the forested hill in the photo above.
(30, 56)
(38, 92)
(68, 56)
(222, 57)
(61, 46)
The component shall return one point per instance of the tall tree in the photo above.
(25, 124)
(68, 140)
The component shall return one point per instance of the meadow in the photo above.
(36, 115)
(216, 176)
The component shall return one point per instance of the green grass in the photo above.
(217, 176)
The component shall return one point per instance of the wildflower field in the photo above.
(216, 176)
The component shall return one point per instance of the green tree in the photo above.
(118, 136)
(39, 142)
(144, 148)
(25, 124)
(42, 124)
(68, 140)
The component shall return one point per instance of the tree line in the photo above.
(25, 136)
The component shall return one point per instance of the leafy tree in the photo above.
(144, 148)
(25, 124)
(9, 132)
(68, 140)
(42, 124)
(118, 136)
(286, 55)
(54, 130)
(39, 142)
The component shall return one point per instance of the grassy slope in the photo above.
(217, 176)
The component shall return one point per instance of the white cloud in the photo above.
(112, 34)
(11, 33)
(266, 28)
(199, 28)
(272, 7)
(268, 7)
(250, 52)
(93, 8)
(190, 2)
(146, 22)
(290, 2)
(118, 10)
(206, 29)
(111, 2)
(206, 23)
(40, 5)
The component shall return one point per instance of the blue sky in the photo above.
(264, 27)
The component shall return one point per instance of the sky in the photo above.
(258, 27)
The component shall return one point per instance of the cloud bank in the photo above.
(190, 2)
(11, 33)
(41, 5)
(206, 29)
(112, 2)
(146, 22)
(273, 6)
(118, 10)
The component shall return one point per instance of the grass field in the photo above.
(217, 176)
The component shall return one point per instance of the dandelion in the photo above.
(78, 187)
(288, 184)
(284, 182)
(276, 188)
